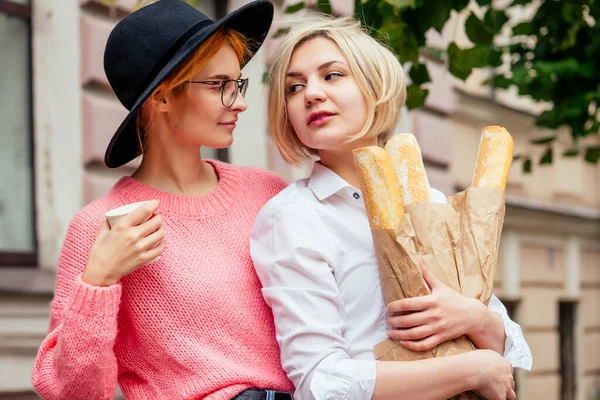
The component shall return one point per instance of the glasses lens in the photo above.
(244, 87)
(229, 93)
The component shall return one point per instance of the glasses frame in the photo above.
(242, 86)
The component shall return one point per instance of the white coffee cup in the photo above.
(116, 214)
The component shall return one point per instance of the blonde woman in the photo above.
(338, 89)
(192, 325)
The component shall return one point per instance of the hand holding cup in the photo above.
(130, 237)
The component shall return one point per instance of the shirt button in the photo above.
(356, 196)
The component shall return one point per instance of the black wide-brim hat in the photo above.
(149, 44)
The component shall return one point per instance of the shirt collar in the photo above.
(324, 182)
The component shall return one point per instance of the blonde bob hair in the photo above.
(375, 68)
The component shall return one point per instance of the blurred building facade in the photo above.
(59, 114)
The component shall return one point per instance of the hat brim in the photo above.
(252, 20)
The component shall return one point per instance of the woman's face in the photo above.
(201, 119)
(325, 105)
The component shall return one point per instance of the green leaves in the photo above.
(401, 39)
(419, 74)
(550, 119)
(462, 61)
(571, 153)
(324, 6)
(499, 81)
(524, 28)
(280, 32)
(544, 140)
(415, 96)
(458, 5)
(367, 12)
(494, 20)
(294, 8)
(457, 64)
(547, 157)
(483, 32)
(495, 58)
(432, 14)
(592, 154)
(477, 31)
(568, 67)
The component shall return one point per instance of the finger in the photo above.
(422, 345)
(410, 304)
(155, 252)
(418, 333)
(141, 214)
(105, 228)
(511, 395)
(409, 320)
(430, 279)
(152, 240)
(152, 225)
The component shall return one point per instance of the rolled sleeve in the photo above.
(294, 260)
(354, 379)
(516, 349)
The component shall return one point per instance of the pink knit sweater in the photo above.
(193, 325)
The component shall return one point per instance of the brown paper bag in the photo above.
(459, 244)
(482, 216)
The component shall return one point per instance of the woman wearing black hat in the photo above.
(192, 325)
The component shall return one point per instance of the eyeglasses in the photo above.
(229, 89)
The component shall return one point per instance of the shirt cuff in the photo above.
(340, 379)
(516, 349)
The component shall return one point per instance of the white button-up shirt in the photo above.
(314, 254)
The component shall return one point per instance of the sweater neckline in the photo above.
(217, 201)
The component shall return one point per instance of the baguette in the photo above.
(381, 193)
(493, 158)
(408, 165)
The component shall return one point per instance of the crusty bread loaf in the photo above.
(381, 193)
(494, 158)
(408, 165)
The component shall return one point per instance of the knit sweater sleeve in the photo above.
(76, 360)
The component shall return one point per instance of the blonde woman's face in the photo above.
(325, 105)
(201, 119)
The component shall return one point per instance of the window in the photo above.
(17, 217)
(567, 310)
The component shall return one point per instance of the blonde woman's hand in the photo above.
(125, 247)
(493, 375)
(423, 322)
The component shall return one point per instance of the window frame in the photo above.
(24, 258)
